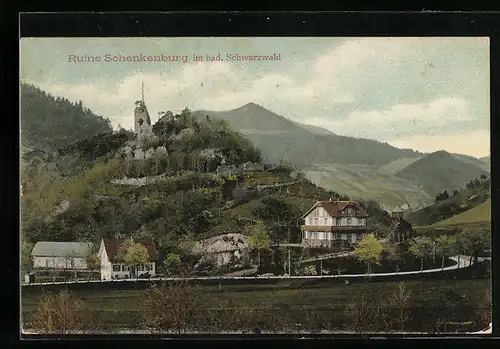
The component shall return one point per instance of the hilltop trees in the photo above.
(49, 122)
(369, 251)
(442, 196)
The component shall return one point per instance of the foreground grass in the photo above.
(120, 308)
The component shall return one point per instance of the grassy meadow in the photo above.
(322, 302)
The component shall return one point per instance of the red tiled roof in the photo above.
(335, 208)
(113, 245)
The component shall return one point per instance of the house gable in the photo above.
(112, 246)
(335, 209)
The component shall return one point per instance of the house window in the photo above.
(149, 267)
(46, 263)
(349, 221)
(316, 212)
(350, 211)
(140, 268)
(325, 221)
(316, 221)
(310, 221)
(124, 267)
(116, 267)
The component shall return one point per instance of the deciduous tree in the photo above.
(259, 240)
(445, 247)
(171, 307)
(401, 300)
(62, 313)
(421, 246)
(172, 264)
(133, 254)
(474, 241)
(369, 251)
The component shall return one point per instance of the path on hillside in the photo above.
(464, 263)
(328, 256)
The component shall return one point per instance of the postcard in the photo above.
(255, 185)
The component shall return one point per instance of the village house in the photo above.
(327, 222)
(113, 267)
(61, 255)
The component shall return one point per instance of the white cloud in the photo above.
(359, 88)
(475, 143)
(399, 119)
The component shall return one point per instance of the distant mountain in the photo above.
(484, 165)
(49, 122)
(315, 129)
(360, 168)
(486, 160)
(342, 164)
(282, 139)
(440, 171)
(395, 166)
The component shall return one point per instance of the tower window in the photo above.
(140, 122)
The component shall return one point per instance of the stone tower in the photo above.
(142, 121)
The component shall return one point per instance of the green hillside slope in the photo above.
(49, 122)
(478, 215)
(440, 171)
(476, 193)
(282, 139)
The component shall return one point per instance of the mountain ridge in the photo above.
(440, 171)
(355, 166)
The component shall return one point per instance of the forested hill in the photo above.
(49, 123)
(449, 204)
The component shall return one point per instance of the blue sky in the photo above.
(422, 93)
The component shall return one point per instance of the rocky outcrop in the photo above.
(138, 182)
(235, 170)
(182, 134)
(222, 249)
(132, 151)
(61, 208)
(214, 154)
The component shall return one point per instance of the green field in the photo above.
(295, 297)
(363, 181)
(479, 215)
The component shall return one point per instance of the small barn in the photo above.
(61, 255)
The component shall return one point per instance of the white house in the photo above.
(112, 267)
(330, 221)
(61, 255)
